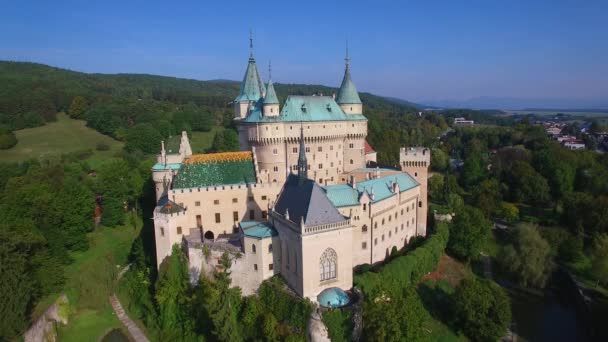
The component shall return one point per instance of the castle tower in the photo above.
(271, 102)
(416, 162)
(252, 87)
(348, 97)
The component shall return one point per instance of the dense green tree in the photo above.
(225, 141)
(599, 258)
(114, 186)
(486, 197)
(509, 212)
(468, 233)
(439, 160)
(394, 316)
(435, 187)
(78, 107)
(528, 257)
(143, 137)
(526, 185)
(473, 170)
(483, 309)
(173, 296)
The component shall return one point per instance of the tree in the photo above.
(599, 258)
(114, 185)
(436, 188)
(143, 137)
(486, 196)
(473, 170)
(526, 185)
(78, 107)
(528, 258)
(392, 315)
(439, 160)
(173, 297)
(225, 141)
(509, 212)
(483, 309)
(468, 233)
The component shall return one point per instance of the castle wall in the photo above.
(416, 162)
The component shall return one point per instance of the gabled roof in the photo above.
(306, 200)
(169, 207)
(252, 87)
(271, 95)
(368, 148)
(228, 168)
(348, 92)
(299, 108)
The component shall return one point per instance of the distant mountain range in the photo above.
(513, 103)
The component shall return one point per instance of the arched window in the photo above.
(253, 249)
(328, 264)
(270, 248)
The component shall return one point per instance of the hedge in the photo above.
(410, 268)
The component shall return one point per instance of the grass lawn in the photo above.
(90, 281)
(62, 136)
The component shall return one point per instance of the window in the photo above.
(375, 241)
(331, 164)
(331, 147)
(327, 264)
(275, 151)
(253, 249)
(320, 166)
(276, 169)
(255, 267)
(364, 245)
(307, 148)
(402, 212)
(162, 231)
(197, 203)
(396, 229)
(217, 218)
(390, 234)
(294, 150)
(364, 206)
(264, 198)
(264, 214)
(270, 267)
(375, 225)
(235, 215)
(235, 200)
(320, 148)
(415, 174)
(402, 226)
(420, 204)
(382, 221)
(179, 230)
(351, 162)
(382, 237)
(364, 229)
(270, 248)
(351, 145)
(252, 214)
(216, 202)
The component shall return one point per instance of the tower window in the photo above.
(197, 204)
(307, 149)
(216, 202)
(275, 151)
(276, 169)
(320, 149)
(235, 200)
(295, 150)
(217, 218)
(179, 230)
(351, 145)
(235, 215)
(364, 245)
(351, 162)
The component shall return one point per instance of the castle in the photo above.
(299, 200)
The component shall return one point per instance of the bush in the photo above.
(285, 307)
(102, 147)
(339, 324)
(7, 139)
(409, 269)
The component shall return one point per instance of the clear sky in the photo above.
(423, 50)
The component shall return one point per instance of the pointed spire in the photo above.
(252, 87)
(271, 95)
(302, 162)
(348, 92)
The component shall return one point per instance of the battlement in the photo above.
(415, 154)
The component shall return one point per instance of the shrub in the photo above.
(102, 146)
(339, 324)
(408, 269)
(7, 140)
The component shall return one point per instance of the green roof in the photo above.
(258, 230)
(194, 175)
(271, 95)
(299, 108)
(343, 195)
(348, 93)
(252, 86)
(161, 167)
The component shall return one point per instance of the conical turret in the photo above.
(271, 101)
(348, 97)
(252, 87)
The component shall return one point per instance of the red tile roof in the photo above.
(368, 148)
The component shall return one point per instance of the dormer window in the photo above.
(303, 108)
(328, 108)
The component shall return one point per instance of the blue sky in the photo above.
(423, 50)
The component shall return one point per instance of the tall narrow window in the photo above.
(328, 264)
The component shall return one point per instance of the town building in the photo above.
(302, 199)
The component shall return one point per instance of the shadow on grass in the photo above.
(437, 298)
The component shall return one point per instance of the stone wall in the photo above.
(44, 327)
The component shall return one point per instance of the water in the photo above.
(552, 317)
(115, 335)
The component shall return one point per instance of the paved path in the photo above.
(134, 330)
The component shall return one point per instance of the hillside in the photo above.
(148, 108)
